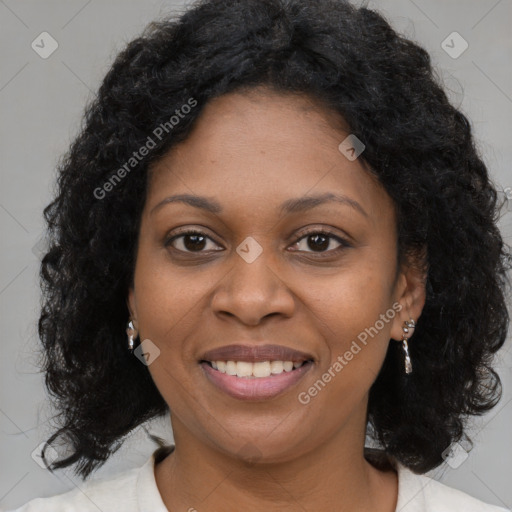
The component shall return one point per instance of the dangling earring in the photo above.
(407, 325)
(132, 334)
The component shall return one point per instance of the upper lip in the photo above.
(255, 353)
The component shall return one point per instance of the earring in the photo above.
(410, 324)
(131, 333)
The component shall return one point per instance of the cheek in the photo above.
(353, 312)
(165, 298)
(168, 305)
(161, 304)
(356, 342)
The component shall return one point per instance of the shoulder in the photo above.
(133, 490)
(93, 495)
(419, 493)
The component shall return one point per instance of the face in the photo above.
(290, 244)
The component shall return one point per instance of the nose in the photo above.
(253, 290)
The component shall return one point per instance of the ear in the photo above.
(410, 293)
(132, 308)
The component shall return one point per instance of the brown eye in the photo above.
(320, 242)
(190, 241)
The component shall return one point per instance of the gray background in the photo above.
(41, 102)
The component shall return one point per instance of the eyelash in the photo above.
(344, 244)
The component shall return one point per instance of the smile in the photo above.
(260, 380)
(255, 370)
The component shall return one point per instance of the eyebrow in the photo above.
(301, 204)
(298, 204)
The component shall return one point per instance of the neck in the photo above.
(335, 476)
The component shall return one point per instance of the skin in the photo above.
(251, 151)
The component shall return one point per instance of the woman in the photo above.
(276, 227)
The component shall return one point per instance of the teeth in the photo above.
(276, 367)
(259, 369)
(230, 367)
(288, 366)
(243, 369)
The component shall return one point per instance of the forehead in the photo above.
(265, 146)
(264, 120)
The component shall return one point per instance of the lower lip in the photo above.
(257, 388)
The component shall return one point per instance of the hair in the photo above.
(418, 145)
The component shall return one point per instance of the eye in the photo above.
(190, 241)
(319, 241)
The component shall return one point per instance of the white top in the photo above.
(135, 490)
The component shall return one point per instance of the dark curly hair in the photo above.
(418, 145)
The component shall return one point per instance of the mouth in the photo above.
(255, 373)
(256, 370)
